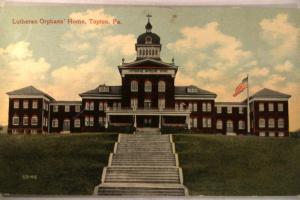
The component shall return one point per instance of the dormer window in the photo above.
(103, 89)
(192, 90)
(148, 40)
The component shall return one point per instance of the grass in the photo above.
(59, 164)
(241, 165)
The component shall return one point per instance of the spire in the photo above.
(148, 25)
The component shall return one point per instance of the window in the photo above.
(204, 107)
(209, 122)
(208, 107)
(91, 105)
(25, 104)
(16, 104)
(86, 121)
(271, 123)
(119, 105)
(55, 108)
(271, 107)
(281, 134)
(195, 107)
(229, 109)
(15, 120)
(34, 120)
(262, 134)
(219, 109)
(100, 105)
(134, 103)
(147, 103)
(87, 105)
(190, 107)
(77, 123)
(241, 124)
(77, 108)
(192, 90)
(103, 89)
(272, 134)
(229, 126)
(241, 110)
(161, 86)
(261, 107)
(176, 106)
(67, 108)
(44, 121)
(34, 104)
(204, 122)
(101, 121)
(55, 123)
(134, 86)
(91, 121)
(105, 105)
(195, 122)
(25, 120)
(182, 105)
(280, 123)
(262, 123)
(161, 103)
(148, 86)
(115, 105)
(280, 107)
(219, 124)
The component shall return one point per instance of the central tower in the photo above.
(148, 44)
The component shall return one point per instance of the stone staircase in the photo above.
(143, 164)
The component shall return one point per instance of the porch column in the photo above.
(188, 121)
(134, 121)
(159, 122)
(106, 121)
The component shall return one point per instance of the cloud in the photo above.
(259, 72)
(274, 80)
(210, 74)
(281, 35)
(287, 66)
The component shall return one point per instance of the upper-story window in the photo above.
(77, 108)
(100, 105)
(77, 123)
(34, 120)
(280, 123)
(161, 86)
(241, 110)
(192, 90)
(34, 104)
(55, 108)
(103, 88)
(55, 123)
(147, 103)
(280, 107)
(16, 104)
(25, 104)
(190, 107)
(134, 86)
(134, 103)
(229, 109)
(204, 107)
(271, 123)
(67, 108)
(261, 107)
(219, 109)
(208, 107)
(271, 107)
(15, 120)
(89, 105)
(148, 86)
(262, 123)
(195, 106)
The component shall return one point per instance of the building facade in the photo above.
(147, 97)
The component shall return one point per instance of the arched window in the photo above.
(271, 123)
(140, 52)
(153, 52)
(34, 120)
(219, 124)
(161, 86)
(229, 125)
(144, 52)
(134, 86)
(25, 120)
(15, 120)
(148, 86)
(241, 124)
(262, 123)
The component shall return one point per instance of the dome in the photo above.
(148, 38)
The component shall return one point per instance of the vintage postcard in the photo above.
(149, 101)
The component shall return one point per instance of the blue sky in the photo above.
(215, 48)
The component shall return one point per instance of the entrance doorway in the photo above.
(147, 121)
(66, 125)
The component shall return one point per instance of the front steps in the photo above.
(142, 164)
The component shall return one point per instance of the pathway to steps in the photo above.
(143, 164)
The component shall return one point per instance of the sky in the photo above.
(214, 47)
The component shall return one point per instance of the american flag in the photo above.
(241, 87)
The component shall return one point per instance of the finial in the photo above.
(148, 15)
(148, 25)
(173, 61)
(123, 60)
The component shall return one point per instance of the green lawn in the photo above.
(241, 165)
(59, 164)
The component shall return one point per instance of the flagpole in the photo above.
(248, 106)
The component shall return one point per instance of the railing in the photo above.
(128, 109)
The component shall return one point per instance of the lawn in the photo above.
(59, 164)
(241, 165)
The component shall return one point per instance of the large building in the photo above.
(147, 98)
